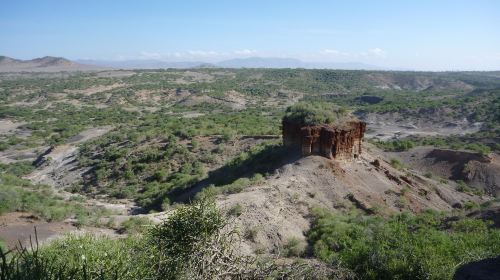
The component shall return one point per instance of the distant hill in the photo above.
(275, 62)
(250, 62)
(56, 64)
(43, 64)
(261, 62)
(144, 64)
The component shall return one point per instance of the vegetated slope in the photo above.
(43, 64)
(173, 125)
(410, 81)
(275, 211)
(471, 169)
(176, 132)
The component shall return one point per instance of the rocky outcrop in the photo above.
(331, 141)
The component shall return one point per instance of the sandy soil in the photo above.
(189, 115)
(11, 156)
(19, 228)
(58, 166)
(395, 126)
(189, 77)
(116, 73)
(8, 126)
(280, 207)
(95, 89)
(233, 100)
(478, 171)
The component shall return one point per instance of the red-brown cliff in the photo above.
(331, 141)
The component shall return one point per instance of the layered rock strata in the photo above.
(331, 141)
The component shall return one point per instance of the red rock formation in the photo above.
(331, 141)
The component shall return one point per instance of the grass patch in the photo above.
(396, 164)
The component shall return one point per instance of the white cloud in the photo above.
(377, 52)
(205, 55)
(330, 51)
(202, 53)
(334, 52)
(150, 55)
(245, 52)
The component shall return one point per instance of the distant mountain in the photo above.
(250, 62)
(343, 66)
(56, 64)
(144, 64)
(273, 62)
(43, 64)
(261, 62)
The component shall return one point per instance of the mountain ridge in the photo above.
(43, 64)
(247, 62)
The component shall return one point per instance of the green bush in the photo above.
(395, 145)
(404, 246)
(236, 210)
(462, 186)
(314, 113)
(396, 164)
(17, 169)
(194, 242)
(135, 225)
(20, 195)
(294, 247)
(3, 247)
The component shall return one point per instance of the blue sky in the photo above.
(422, 35)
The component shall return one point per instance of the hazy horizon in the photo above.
(425, 35)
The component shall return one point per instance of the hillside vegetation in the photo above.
(185, 173)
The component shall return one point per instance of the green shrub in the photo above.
(135, 225)
(3, 247)
(236, 210)
(395, 145)
(462, 186)
(404, 246)
(396, 164)
(313, 113)
(294, 247)
(4, 146)
(17, 169)
(469, 205)
(17, 194)
(194, 242)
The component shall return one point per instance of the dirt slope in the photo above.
(58, 166)
(280, 208)
(478, 171)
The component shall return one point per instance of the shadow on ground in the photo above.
(487, 269)
(265, 161)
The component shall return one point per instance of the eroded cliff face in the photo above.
(331, 141)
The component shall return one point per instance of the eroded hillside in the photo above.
(111, 152)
